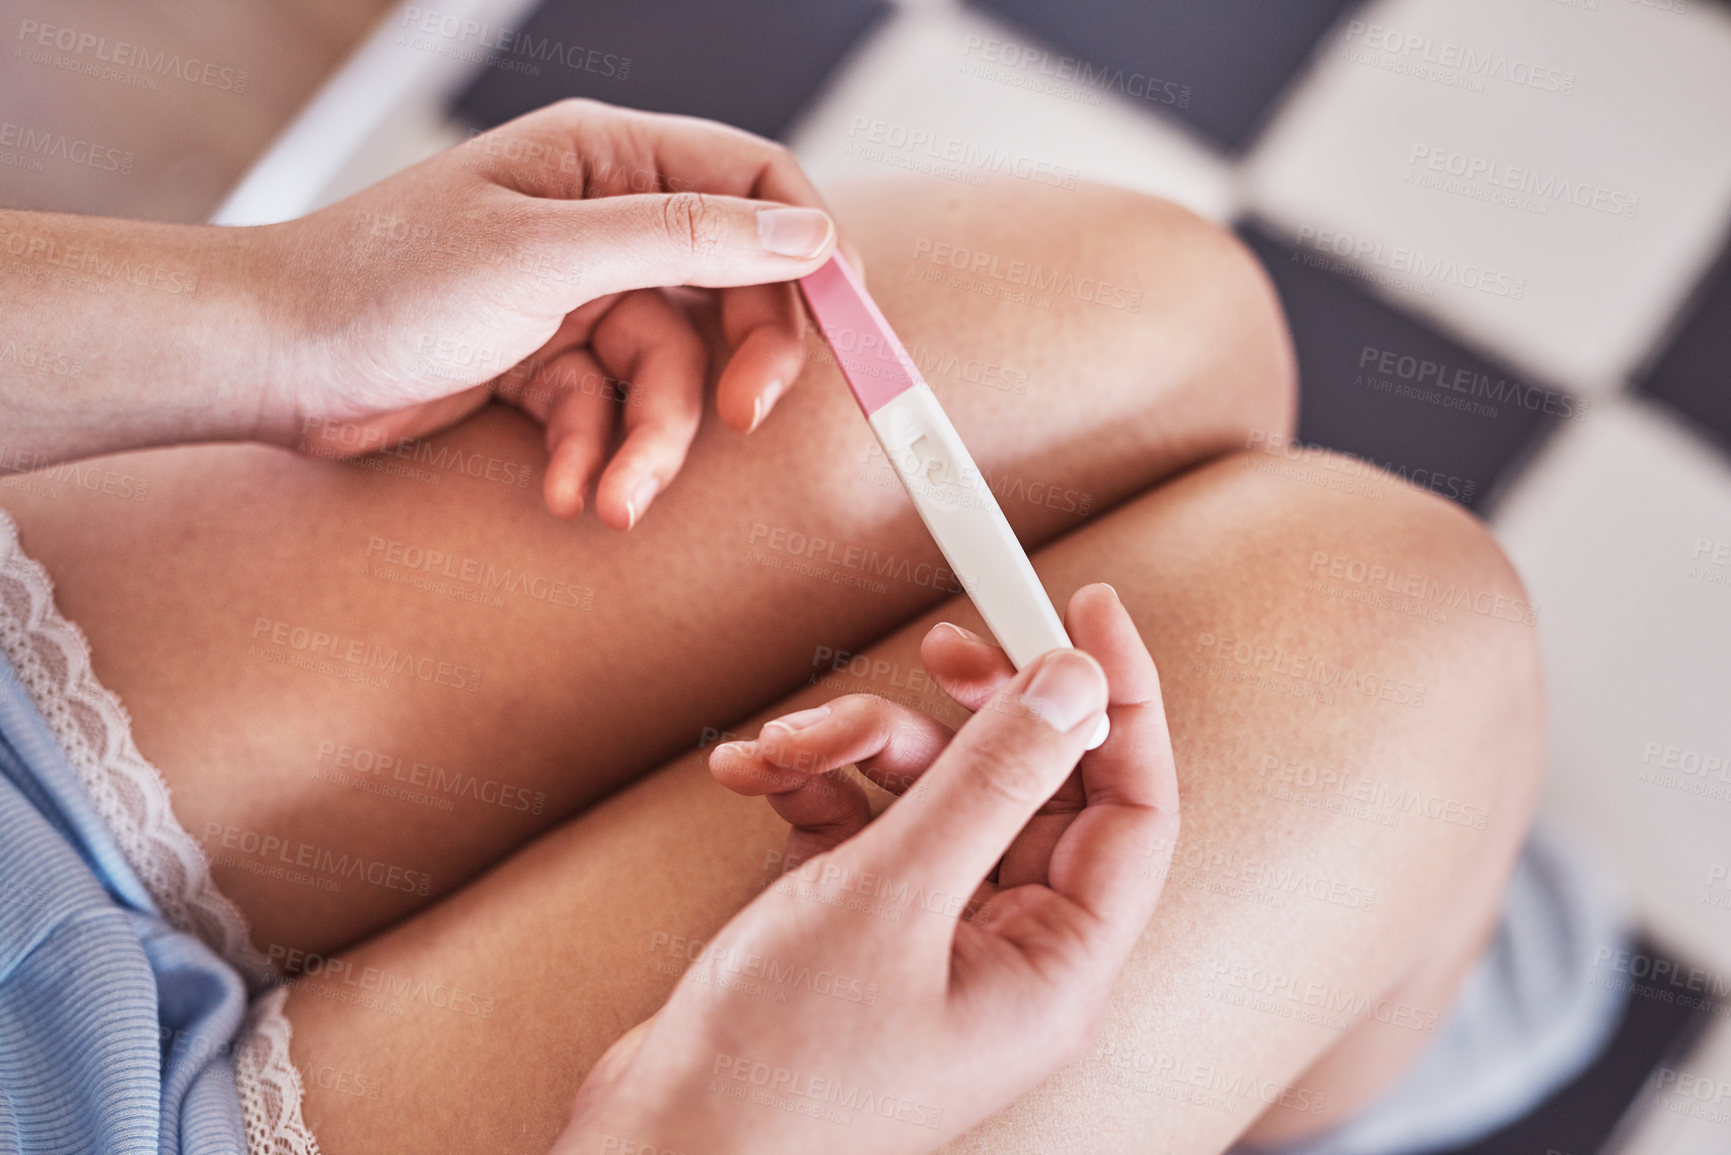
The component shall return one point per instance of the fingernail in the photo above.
(1066, 690)
(761, 406)
(639, 500)
(567, 496)
(736, 749)
(966, 635)
(798, 720)
(794, 232)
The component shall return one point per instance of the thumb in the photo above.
(1002, 766)
(605, 1077)
(654, 240)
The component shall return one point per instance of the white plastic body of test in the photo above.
(963, 515)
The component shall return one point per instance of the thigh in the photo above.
(1285, 695)
(365, 682)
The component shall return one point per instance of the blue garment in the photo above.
(1529, 1017)
(116, 1030)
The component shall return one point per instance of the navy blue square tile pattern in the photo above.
(1384, 386)
(1583, 1116)
(1693, 373)
(750, 63)
(1218, 66)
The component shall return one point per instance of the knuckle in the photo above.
(1076, 1039)
(872, 716)
(1002, 765)
(578, 106)
(691, 222)
(860, 706)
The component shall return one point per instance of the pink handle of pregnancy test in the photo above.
(876, 366)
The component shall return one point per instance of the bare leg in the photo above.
(300, 651)
(496, 1001)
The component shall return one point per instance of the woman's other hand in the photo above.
(934, 963)
(531, 263)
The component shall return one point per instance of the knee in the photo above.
(1140, 304)
(1316, 596)
(1206, 313)
(1388, 601)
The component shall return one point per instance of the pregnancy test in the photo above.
(948, 489)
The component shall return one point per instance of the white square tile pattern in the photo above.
(1622, 532)
(1545, 177)
(943, 92)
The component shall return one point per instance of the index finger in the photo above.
(590, 149)
(1112, 858)
(1003, 765)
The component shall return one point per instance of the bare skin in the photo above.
(706, 613)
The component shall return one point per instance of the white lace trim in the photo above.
(269, 1085)
(52, 660)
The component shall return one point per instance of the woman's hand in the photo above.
(936, 962)
(526, 264)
